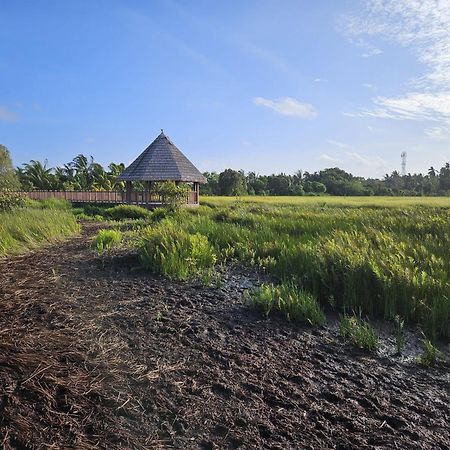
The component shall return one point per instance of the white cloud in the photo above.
(423, 27)
(439, 133)
(372, 52)
(6, 115)
(370, 86)
(330, 159)
(368, 161)
(319, 80)
(338, 144)
(288, 106)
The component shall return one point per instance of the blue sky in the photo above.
(268, 86)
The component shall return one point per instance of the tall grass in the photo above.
(380, 261)
(171, 251)
(26, 228)
(294, 304)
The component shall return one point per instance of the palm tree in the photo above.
(37, 175)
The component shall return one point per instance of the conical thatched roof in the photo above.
(162, 161)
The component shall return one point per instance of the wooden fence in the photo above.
(141, 198)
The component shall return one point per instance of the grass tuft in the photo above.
(358, 332)
(106, 239)
(294, 304)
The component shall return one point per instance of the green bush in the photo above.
(358, 332)
(120, 212)
(106, 239)
(171, 251)
(11, 200)
(293, 303)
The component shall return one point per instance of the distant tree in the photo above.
(444, 178)
(279, 184)
(8, 176)
(232, 182)
(212, 184)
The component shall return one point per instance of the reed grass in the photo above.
(382, 261)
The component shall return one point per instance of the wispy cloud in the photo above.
(288, 106)
(330, 159)
(6, 115)
(365, 160)
(372, 52)
(439, 133)
(422, 26)
(320, 80)
(370, 86)
(338, 144)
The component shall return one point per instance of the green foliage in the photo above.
(294, 304)
(11, 200)
(106, 239)
(172, 194)
(120, 212)
(358, 332)
(25, 228)
(171, 251)
(430, 354)
(8, 177)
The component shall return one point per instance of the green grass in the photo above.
(26, 228)
(358, 332)
(106, 239)
(430, 355)
(382, 261)
(175, 253)
(294, 304)
(399, 202)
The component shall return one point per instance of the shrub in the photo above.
(171, 251)
(106, 239)
(10, 200)
(120, 212)
(293, 303)
(358, 332)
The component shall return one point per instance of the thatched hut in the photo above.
(162, 161)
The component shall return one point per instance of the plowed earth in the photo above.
(95, 353)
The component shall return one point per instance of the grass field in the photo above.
(401, 202)
(353, 255)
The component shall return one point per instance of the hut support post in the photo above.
(128, 189)
(197, 192)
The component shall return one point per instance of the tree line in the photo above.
(332, 181)
(83, 173)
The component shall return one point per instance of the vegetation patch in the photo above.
(293, 303)
(106, 239)
(171, 251)
(25, 228)
(358, 332)
(120, 212)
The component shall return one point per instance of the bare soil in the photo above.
(95, 353)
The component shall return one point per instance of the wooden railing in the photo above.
(141, 198)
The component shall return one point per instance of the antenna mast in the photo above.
(403, 155)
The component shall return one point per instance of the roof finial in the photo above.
(162, 131)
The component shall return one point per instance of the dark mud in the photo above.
(94, 353)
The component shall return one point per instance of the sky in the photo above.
(261, 85)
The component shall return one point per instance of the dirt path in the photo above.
(96, 353)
